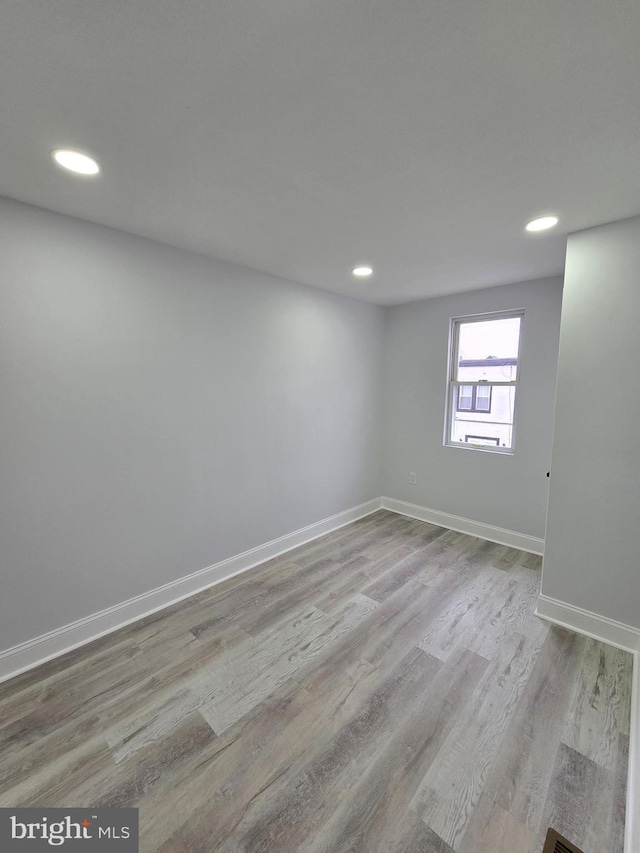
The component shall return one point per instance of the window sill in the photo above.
(500, 451)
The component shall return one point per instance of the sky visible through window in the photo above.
(497, 338)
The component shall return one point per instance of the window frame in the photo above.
(451, 399)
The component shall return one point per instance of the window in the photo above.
(482, 439)
(474, 398)
(483, 380)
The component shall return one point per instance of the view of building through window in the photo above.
(483, 380)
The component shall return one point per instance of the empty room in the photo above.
(318, 477)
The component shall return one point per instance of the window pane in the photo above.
(483, 398)
(465, 397)
(488, 349)
(466, 429)
(491, 427)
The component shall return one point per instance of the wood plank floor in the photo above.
(384, 688)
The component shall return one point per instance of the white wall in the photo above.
(162, 411)
(501, 490)
(591, 554)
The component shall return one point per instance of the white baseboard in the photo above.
(623, 637)
(632, 817)
(465, 525)
(590, 624)
(55, 643)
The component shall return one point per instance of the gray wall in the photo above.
(505, 491)
(162, 411)
(591, 555)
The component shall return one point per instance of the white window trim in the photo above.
(454, 325)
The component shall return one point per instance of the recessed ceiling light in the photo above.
(75, 161)
(362, 272)
(542, 223)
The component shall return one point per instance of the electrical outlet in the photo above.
(412, 478)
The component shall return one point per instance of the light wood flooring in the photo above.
(384, 688)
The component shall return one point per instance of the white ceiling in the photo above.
(302, 137)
